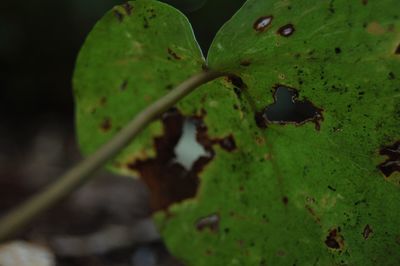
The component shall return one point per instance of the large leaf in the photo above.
(321, 188)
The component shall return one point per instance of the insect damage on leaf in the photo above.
(334, 240)
(286, 30)
(287, 109)
(262, 23)
(392, 164)
(169, 181)
(211, 222)
(120, 11)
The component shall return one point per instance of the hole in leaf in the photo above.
(181, 154)
(211, 222)
(334, 240)
(367, 232)
(287, 109)
(392, 164)
(262, 23)
(286, 30)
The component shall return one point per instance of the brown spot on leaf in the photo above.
(397, 49)
(168, 181)
(364, 2)
(245, 63)
(128, 8)
(392, 164)
(173, 54)
(287, 109)
(313, 214)
(211, 222)
(334, 240)
(285, 200)
(367, 232)
(262, 23)
(227, 143)
(106, 124)
(375, 28)
(123, 85)
(103, 101)
(286, 30)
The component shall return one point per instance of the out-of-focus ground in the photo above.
(106, 222)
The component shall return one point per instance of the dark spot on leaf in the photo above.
(227, 143)
(338, 50)
(262, 23)
(287, 109)
(123, 85)
(103, 101)
(173, 54)
(245, 63)
(334, 240)
(106, 124)
(168, 181)
(397, 50)
(364, 2)
(392, 164)
(391, 76)
(169, 87)
(285, 200)
(367, 232)
(286, 30)
(313, 214)
(236, 81)
(128, 8)
(145, 23)
(118, 15)
(211, 222)
(331, 188)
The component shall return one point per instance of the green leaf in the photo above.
(322, 189)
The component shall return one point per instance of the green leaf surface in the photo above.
(323, 191)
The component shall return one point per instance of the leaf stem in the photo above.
(81, 173)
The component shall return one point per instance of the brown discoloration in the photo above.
(334, 240)
(245, 63)
(364, 2)
(285, 200)
(375, 28)
(263, 23)
(168, 181)
(123, 86)
(260, 140)
(367, 232)
(392, 164)
(128, 8)
(106, 124)
(397, 51)
(211, 222)
(286, 30)
(313, 214)
(228, 143)
(173, 54)
(103, 101)
(306, 111)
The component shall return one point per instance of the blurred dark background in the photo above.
(39, 42)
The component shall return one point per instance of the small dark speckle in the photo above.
(106, 124)
(123, 85)
(228, 143)
(262, 23)
(338, 50)
(118, 15)
(145, 23)
(128, 8)
(391, 76)
(211, 222)
(286, 30)
(364, 2)
(331, 188)
(397, 50)
(285, 200)
(173, 54)
(367, 232)
(245, 63)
